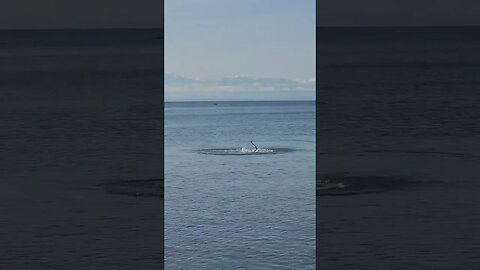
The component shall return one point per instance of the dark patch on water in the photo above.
(354, 185)
(244, 151)
(420, 152)
(138, 188)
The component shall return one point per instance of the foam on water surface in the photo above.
(244, 151)
(354, 185)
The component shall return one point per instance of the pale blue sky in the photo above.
(214, 39)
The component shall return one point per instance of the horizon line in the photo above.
(317, 26)
(397, 26)
(83, 28)
(280, 100)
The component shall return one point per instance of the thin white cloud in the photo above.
(237, 88)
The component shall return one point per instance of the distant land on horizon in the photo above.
(237, 101)
(318, 26)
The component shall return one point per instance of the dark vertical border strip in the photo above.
(162, 166)
(317, 147)
(317, 156)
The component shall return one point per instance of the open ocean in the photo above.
(228, 207)
(399, 133)
(398, 141)
(80, 133)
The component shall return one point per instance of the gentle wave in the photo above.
(138, 188)
(353, 185)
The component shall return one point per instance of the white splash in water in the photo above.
(243, 151)
(327, 184)
(253, 151)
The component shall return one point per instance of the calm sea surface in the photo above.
(81, 135)
(80, 112)
(398, 112)
(232, 208)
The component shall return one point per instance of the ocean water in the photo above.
(398, 132)
(228, 206)
(80, 129)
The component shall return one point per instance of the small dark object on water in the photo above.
(256, 148)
